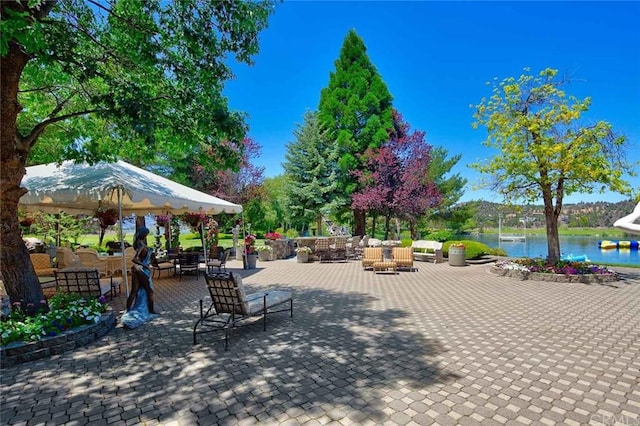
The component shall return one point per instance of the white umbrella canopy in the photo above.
(81, 188)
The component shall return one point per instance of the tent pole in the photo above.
(124, 259)
(203, 238)
(244, 247)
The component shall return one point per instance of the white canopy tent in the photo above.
(82, 188)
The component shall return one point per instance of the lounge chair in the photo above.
(370, 256)
(403, 256)
(231, 306)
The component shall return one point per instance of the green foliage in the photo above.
(442, 235)
(355, 110)
(60, 228)
(31, 322)
(496, 251)
(544, 152)
(310, 169)
(292, 233)
(534, 125)
(406, 242)
(145, 77)
(450, 187)
(473, 249)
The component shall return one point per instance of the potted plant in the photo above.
(457, 254)
(193, 219)
(264, 252)
(272, 236)
(302, 254)
(251, 254)
(106, 216)
(163, 219)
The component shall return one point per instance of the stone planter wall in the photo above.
(264, 255)
(559, 278)
(19, 352)
(282, 249)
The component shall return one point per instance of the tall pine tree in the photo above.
(310, 168)
(355, 110)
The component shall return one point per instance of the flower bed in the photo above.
(19, 352)
(563, 271)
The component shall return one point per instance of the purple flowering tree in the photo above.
(395, 179)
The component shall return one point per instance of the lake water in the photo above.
(536, 246)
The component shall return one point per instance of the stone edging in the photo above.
(558, 278)
(19, 352)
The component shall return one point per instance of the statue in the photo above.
(627, 223)
(235, 231)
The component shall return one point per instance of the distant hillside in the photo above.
(591, 215)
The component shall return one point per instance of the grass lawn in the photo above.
(186, 240)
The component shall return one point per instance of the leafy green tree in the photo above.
(355, 109)
(60, 228)
(277, 202)
(450, 186)
(92, 80)
(544, 151)
(310, 168)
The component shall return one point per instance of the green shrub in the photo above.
(474, 249)
(292, 233)
(406, 242)
(496, 251)
(442, 236)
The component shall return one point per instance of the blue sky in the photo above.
(435, 58)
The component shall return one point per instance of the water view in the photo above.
(536, 246)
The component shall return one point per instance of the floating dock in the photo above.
(623, 244)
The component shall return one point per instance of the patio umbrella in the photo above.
(81, 188)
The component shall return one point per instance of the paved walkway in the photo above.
(442, 345)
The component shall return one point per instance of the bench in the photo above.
(427, 251)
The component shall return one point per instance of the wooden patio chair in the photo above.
(231, 306)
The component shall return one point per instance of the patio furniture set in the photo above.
(374, 259)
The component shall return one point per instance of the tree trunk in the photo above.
(387, 225)
(551, 220)
(19, 278)
(359, 221)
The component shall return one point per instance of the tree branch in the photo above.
(31, 138)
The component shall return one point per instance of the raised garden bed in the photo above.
(560, 278)
(19, 352)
